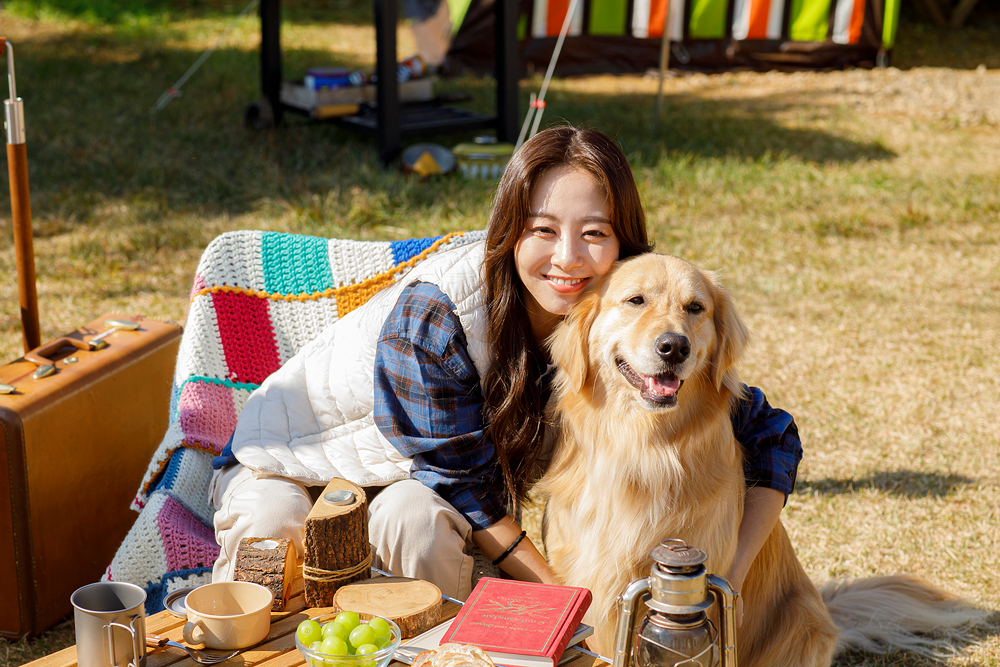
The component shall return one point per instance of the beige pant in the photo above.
(413, 531)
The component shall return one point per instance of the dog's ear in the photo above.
(568, 343)
(732, 338)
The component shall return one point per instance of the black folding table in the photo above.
(390, 121)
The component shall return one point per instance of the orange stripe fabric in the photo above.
(857, 19)
(759, 10)
(555, 16)
(657, 15)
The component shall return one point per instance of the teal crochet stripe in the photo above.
(295, 263)
(249, 386)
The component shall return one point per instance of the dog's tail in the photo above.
(898, 612)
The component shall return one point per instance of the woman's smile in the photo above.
(568, 285)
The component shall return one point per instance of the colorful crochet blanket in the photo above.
(258, 298)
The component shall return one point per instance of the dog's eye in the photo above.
(694, 308)
(637, 300)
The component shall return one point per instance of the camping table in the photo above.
(276, 650)
(389, 122)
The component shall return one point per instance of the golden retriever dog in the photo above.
(646, 451)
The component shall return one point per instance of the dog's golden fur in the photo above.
(646, 451)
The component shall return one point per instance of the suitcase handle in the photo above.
(40, 355)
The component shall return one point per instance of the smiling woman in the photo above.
(567, 243)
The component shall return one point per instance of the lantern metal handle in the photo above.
(726, 598)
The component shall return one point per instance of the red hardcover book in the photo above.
(517, 618)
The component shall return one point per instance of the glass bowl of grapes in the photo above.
(344, 640)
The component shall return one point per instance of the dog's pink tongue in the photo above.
(665, 386)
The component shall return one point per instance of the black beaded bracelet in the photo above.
(513, 545)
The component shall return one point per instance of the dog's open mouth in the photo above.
(660, 389)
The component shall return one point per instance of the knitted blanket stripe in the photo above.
(257, 298)
(242, 325)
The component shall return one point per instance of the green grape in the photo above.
(361, 635)
(309, 631)
(382, 642)
(365, 649)
(381, 627)
(348, 619)
(313, 662)
(335, 629)
(334, 646)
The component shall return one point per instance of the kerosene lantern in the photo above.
(676, 631)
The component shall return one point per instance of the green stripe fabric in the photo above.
(708, 19)
(890, 23)
(809, 20)
(608, 17)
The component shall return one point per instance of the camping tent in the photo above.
(625, 35)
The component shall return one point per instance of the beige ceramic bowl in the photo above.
(228, 615)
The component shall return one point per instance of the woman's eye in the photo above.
(637, 300)
(695, 308)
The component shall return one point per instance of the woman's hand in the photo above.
(761, 509)
(524, 562)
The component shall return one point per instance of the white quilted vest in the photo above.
(312, 420)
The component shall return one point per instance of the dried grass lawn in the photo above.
(855, 215)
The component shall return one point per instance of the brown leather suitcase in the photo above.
(80, 417)
(73, 449)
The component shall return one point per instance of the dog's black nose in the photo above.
(673, 348)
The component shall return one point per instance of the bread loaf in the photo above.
(454, 655)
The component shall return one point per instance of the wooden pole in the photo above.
(664, 64)
(20, 205)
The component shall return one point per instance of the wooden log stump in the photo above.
(270, 562)
(336, 545)
(414, 605)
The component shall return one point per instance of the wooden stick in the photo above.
(20, 205)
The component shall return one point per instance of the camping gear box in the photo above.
(74, 446)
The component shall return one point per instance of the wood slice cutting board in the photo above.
(413, 604)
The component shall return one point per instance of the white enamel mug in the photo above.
(228, 615)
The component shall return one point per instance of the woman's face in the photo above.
(567, 242)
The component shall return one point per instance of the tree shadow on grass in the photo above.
(902, 483)
(730, 129)
(117, 12)
(93, 141)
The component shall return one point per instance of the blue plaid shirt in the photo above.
(429, 405)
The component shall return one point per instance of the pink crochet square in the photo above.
(247, 335)
(187, 542)
(206, 414)
(199, 285)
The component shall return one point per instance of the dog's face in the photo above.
(653, 323)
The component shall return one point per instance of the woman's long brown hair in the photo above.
(514, 410)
